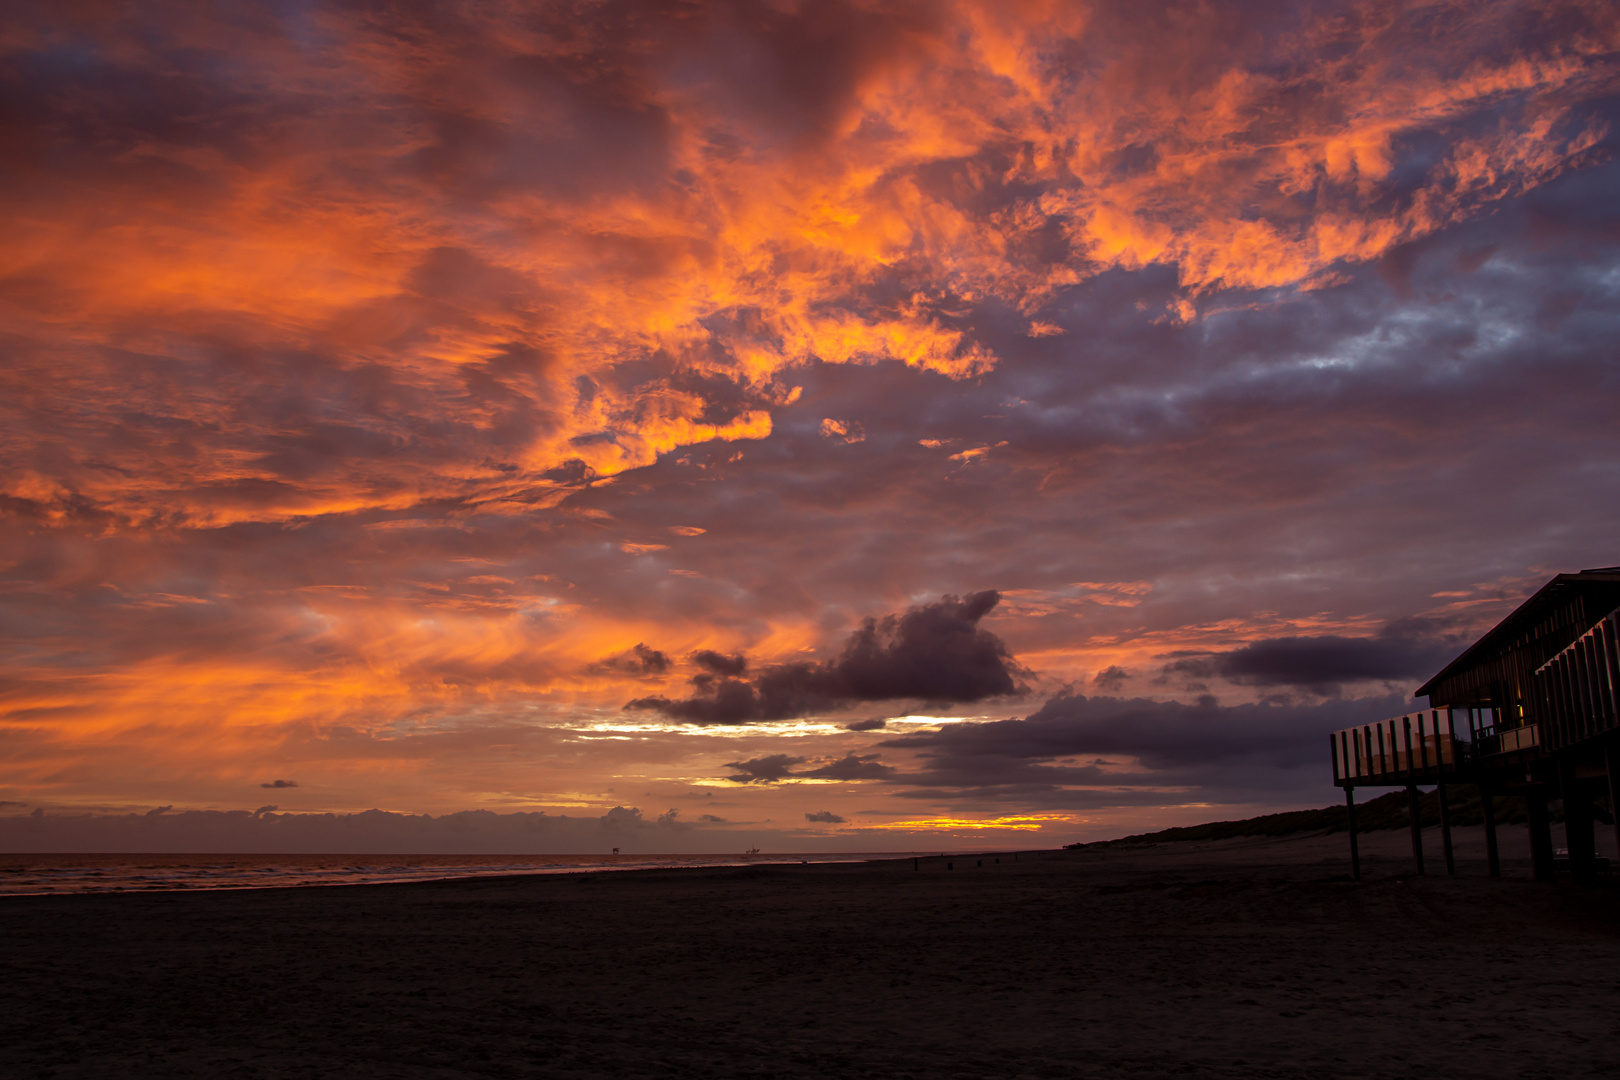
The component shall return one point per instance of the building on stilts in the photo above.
(1531, 709)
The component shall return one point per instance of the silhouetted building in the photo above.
(1530, 709)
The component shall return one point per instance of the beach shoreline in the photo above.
(1225, 959)
(76, 873)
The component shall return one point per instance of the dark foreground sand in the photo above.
(1232, 959)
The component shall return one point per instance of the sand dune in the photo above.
(1232, 959)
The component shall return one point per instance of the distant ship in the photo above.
(752, 851)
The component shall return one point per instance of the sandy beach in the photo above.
(1237, 958)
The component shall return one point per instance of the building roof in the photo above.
(1601, 584)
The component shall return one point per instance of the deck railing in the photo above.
(1418, 745)
(1577, 692)
(1490, 741)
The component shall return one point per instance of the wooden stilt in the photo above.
(1412, 797)
(1611, 765)
(1350, 814)
(1541, 845)
(1493, 860)
(1417, 826)
(1445, 831)
(1579, 831)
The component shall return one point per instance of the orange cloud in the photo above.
(392, 218)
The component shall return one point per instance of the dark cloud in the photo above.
(637, 661)
(770, 769)
(763, 770)
(934, 652)
(851, 767)
(720, 664)
(876, 723)
(1076, 750)
(1410, 649)
(279, 784)
(1110, 678)
(825, 815)
(711, 818)
(622, 817)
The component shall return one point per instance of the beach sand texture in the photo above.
(1243, 958)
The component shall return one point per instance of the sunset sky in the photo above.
(826, 425)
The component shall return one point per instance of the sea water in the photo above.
(24, 875)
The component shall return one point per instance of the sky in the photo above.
(821, 426)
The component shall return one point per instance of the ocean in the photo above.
(31, 875)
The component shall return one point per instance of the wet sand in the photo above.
(1239, 958)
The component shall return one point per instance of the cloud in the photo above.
(1411, 649)
(826, 816)
(876, 723)
(279, 784)
(718, 664)
(763, 770)
(639, 660)
(934, 652)
(1076, 750)
(851, 767)
(1110, 678)
(845, 431)
(777, 767)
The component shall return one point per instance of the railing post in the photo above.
(1413, 795)
(1423, 744)
(1406, 740)
(1612, 664)
(1590, 645)
(1603, 648)
(1350, 821)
